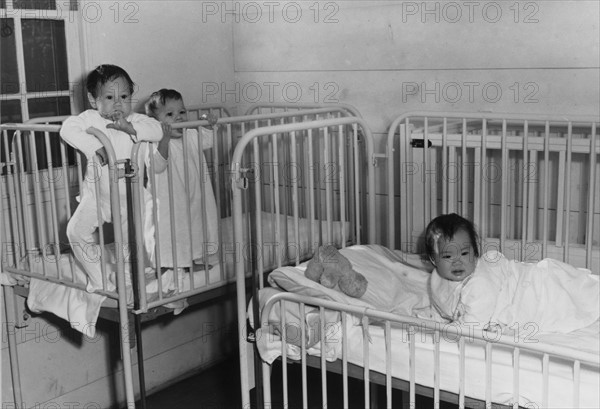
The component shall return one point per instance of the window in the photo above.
(40, 59)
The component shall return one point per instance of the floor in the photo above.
(218, 388)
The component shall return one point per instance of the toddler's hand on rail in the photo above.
(211, 118)
(121, 123)
(102, 156)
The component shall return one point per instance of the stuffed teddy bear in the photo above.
(330, 268)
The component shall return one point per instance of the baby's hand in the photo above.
(102, 155)
(167, 131)
(121, 123)
(211, 118)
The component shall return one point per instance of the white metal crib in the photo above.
(535, 218)
(43, 176)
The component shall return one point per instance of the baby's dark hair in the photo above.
(160, 98)
(104, 73)
(446, 226)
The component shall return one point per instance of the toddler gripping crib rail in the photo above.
(392, 336)
(41, 178)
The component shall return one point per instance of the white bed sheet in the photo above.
(391, 276)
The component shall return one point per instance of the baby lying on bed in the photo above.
(491, 290)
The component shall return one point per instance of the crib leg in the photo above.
(9, 303)
(140, 355)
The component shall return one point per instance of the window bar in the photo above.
(546, 189)
(568, 195)
(591, 198)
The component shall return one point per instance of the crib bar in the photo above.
(412, 363)
(567, 232)
(303, 359)
(436, 372)
(546, 189)
(504, 194)
(576, 382)
(516, 366)
(426, 185)
(295, 197)
(345, 358)
(488, 375)
(465, 169)
(366, 366)
(524, 192)
(284, 358)
(444, 162)
(187, 183)
(461, 373)
(342, 181)
(258, 220)
(388, 363)
(545, 380)
(53, 206)
(485, 182)
(323, 358)
(589, 230)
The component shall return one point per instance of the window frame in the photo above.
(69, 12)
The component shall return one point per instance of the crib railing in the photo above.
(337, 195)
(552, 210)
(274, 107)
(39, 180)
(226, 135)
(414, 328)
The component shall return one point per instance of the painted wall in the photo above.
(389, 57)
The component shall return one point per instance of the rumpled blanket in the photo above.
(397, 284)
(550, 295)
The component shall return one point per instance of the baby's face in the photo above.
(455, 259)
(113, 100)
(171, 112)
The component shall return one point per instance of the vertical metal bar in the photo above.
(465, 170)
(53, 205)
(546, 189)
(323, 358)
(516, 367)
(295, 196)
(303, 354)
(568, 195)
(488, 374)
(524, 190)
(388, 364)
(426, 184)
(412, 363)
(366, 361)
(545, 380)
(444, 163)
(589, 230)
(328, 187)
(284, 360)
(276, 198)
(436, 375)
(504, 153)
(345, 357)
(576, 382)
(484, 187)
(9, 305)
(461, 372)
(342, 183)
